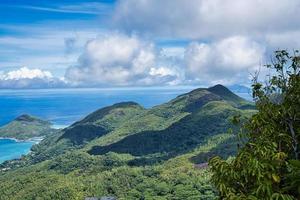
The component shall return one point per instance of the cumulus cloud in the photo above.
(119, 60)
(29, 78)
(206, 18)
(230, 39)
(225, 61)
(25, 73)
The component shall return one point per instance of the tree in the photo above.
(267, 165)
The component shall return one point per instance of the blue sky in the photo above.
(114, 43)
(35, 21)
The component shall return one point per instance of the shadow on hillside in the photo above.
(225, 149)
(79, 134)
(179, 138)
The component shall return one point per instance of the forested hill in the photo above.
(126, 142)
(26, 127)
(173, 128)
(206, 113)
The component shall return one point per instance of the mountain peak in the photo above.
(102, 112)
(26, 117)
(31, 119)
(25, 127)
(225, 93)
(218, 87)
(198, 97)
(125, 104)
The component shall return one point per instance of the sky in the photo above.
(133, 43)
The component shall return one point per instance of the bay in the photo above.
(12, 149)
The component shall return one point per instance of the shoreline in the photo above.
(35, 140)
(59, 126)
(32, 141)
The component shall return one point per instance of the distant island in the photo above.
(26, 127)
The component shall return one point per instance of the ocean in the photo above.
(11, 149)
(63, 107)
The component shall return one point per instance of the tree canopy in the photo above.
(267, 165)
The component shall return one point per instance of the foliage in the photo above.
(180, 137)
(268, 165)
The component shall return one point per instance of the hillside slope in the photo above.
(180, 137)
(186, 120)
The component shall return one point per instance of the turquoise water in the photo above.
(11, 149)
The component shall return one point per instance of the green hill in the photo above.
(101, 122)
(26, 127)
(186, 121)
(130, 152)
(180, 137)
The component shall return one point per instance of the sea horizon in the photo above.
(57, 105)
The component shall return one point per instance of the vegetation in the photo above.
(180, 137)
(130, 152)
(268, 164)
(26, 127)
(76, 175)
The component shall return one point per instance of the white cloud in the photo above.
(29, 78)
(224, 61)
(206, 18)
(25, 73)
(172, 52)
(160, 71)
(119, 60)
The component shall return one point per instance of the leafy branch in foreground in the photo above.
(268, 165)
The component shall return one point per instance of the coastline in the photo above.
(10, 156)
(35, 140)
(59, 126)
